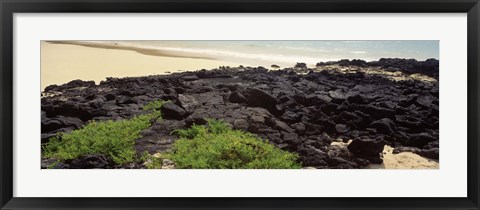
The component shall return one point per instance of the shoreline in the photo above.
(63, 62)
(115, 46)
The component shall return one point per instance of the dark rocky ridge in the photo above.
(428, 67)
(302, 113)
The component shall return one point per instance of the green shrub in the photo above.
(114, 139)
(154, 105)
(218, 127)
(152, 161)
(218, 146)
(154, 108)
(195, 130)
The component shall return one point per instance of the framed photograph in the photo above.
(239, 105)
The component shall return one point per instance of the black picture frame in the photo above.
(10, 7)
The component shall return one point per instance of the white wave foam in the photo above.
(239, 55)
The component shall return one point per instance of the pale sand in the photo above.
(404, 160)
(61, 63)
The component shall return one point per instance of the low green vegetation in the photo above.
(114, 139)
(217, 146)
(152, 161)
(154, 105)
(214, 145)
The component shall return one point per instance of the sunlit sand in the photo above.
(404, 160)
(61, 63)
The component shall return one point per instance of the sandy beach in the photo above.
(404, 160)
(301, 109)
(61, 63)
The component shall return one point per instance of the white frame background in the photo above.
(448, 181)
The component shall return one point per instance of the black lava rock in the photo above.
(172, 111)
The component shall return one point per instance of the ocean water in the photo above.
(287, 53)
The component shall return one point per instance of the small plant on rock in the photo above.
(152, 161)
(114, 139)
(217, 146)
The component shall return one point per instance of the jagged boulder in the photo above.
(172, 111)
